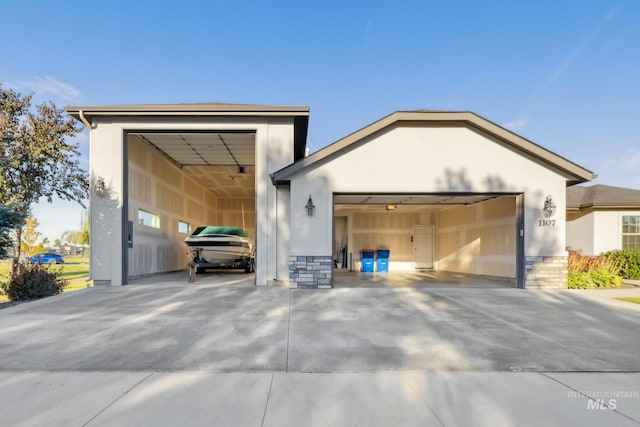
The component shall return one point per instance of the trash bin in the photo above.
(366, 258)
(383, 260)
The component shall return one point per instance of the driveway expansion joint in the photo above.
(118, 398)
(266, 404)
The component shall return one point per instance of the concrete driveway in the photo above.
(223, 352)
(230, 325)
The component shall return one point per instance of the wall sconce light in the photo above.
(100, 187)
(310, 206)
(390, 207)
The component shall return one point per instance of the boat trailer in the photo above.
(200, 264)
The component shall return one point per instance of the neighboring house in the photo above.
(449, 191)
(602, 218)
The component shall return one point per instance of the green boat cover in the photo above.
(219, 229)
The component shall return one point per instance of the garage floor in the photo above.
(210, 277)
(414, 279)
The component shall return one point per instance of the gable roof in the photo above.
(574, 173)
(300, 114)
(602, 196)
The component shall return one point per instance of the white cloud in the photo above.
(49, 85)
(570, 58)
(516, 125)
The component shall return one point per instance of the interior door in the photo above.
(423, 246)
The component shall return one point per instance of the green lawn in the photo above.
(635, 300)
(75, 267)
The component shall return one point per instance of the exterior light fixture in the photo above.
(549, 207)
(100, 187)
(390, 207)
(310, 206)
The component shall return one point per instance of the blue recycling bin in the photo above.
(383, 260)
(367, 258)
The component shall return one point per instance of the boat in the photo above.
(219, 246)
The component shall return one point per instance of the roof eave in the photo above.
(620, 206)
(616, 206)
(188, 110)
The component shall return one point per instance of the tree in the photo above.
(37, 161)
(30, 237)
(10, 219)
(78, 237)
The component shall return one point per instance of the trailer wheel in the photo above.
(248, 267)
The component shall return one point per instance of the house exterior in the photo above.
(449, 191)
(602, 218)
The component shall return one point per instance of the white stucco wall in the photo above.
(581, 233)
(283, 209)
(607, 231)
(274, 150)
(595, 232)
(106, 162)
(427, 160)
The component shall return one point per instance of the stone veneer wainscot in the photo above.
(546, 272)
(310, 272)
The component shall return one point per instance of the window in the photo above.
(184, 227)
(148, 218)
(630, 232)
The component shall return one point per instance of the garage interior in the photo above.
(432, 238)
(178, 181)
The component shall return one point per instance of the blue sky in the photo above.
(563, 74)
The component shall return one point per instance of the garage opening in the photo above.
(450, 239)
(179, 181)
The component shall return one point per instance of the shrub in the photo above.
(603, 278)
(34, 281)
(579, 280)
(628, 261)
(592, 272)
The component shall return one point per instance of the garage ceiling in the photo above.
(206, 149)
(412, 199)
(223, 162)
(406, 203)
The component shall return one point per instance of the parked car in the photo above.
(48, 258)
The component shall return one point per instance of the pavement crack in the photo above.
(266, 405)
(424, 400)
(117, 398)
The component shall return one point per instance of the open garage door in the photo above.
(473, 235)
(179, 181)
